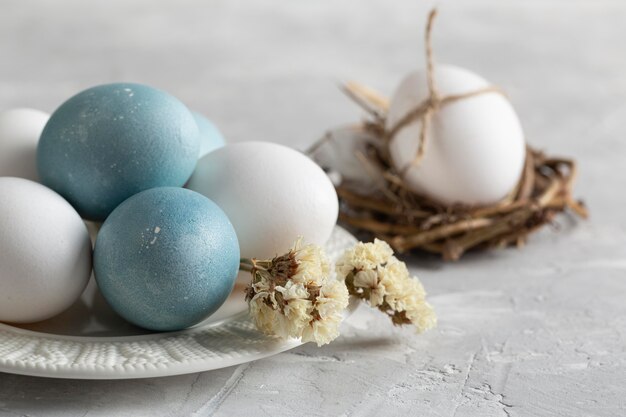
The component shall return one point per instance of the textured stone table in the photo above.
(534, 332)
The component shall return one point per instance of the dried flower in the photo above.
(293, 295)
(373, 274)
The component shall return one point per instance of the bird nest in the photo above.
(389, 210)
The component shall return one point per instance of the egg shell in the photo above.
(338, 155)
(271, 193)
(475, 146)
(45, 252)
(210, 136)
(112, 141)
(166, 258)
(19, 134)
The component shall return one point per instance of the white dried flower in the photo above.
(293, 296)
(373, 274)
(371, 286)
(364, 256)
(329, 305)
(321, 332)
(313, 263)
(264, 315)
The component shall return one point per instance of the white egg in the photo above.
(475, 146)
(19, 134)
(272, 194)
(338, 153)
(45, 252)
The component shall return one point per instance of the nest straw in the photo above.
(408, 221)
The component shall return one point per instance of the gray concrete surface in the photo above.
(535, 332)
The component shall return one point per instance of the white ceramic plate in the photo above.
(90, 341)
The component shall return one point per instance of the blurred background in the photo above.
(270, 69)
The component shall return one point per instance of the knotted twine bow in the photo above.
(425, 111)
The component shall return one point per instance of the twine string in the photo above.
(425, 111)
(430, 62)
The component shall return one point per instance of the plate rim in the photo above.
(237, 323)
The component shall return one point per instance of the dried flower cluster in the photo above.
(373, 274)
(293, 295)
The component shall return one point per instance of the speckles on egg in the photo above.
(116, 140)
(157, 230)
(162, 246)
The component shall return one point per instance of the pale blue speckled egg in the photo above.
(210, 136)
(112, 141)
(166, 258)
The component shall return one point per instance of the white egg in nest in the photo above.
(475, 148)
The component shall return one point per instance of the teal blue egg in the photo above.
(112, 141)
(166, 258)
(210, 136)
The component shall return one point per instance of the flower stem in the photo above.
(246, 264)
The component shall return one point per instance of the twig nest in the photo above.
(411, 221)
(474, 146)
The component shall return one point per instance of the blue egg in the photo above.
(210, 136)
(110, 142)
(166, 258)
